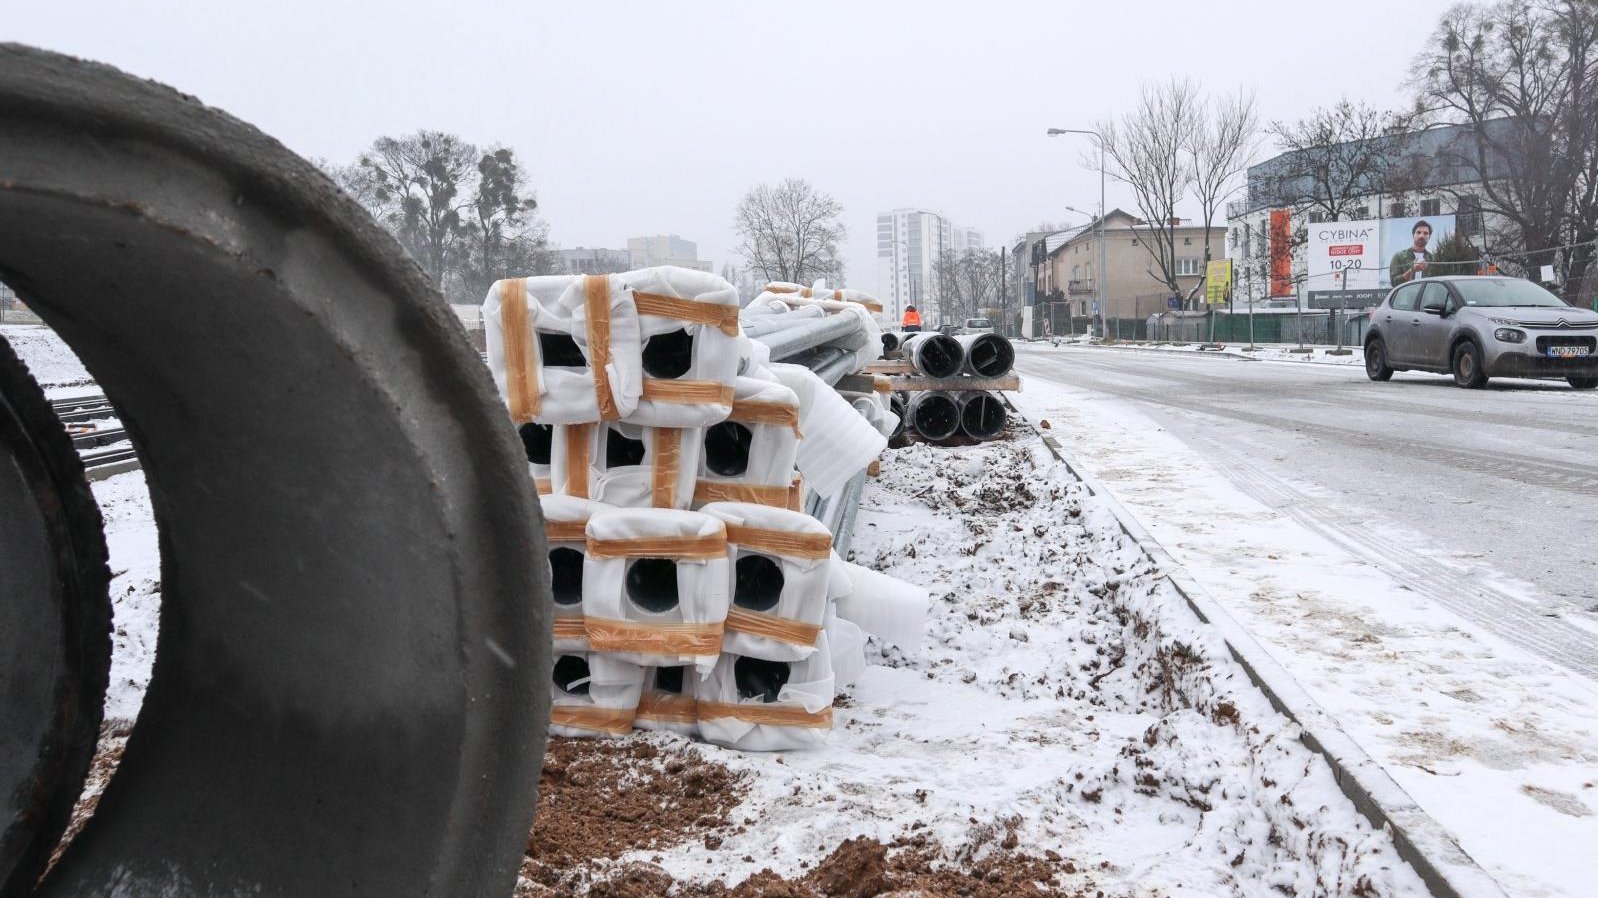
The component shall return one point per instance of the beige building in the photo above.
(1134, 288)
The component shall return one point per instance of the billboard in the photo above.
(1344, 255)
(1281, 250)
(1400, 235)
(1218, 280)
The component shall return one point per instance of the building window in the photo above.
(1187, 267)
(1362, 212)
(1431, 207)
(1469, 212)
(1398, 210)
(1316, 218)
(1187, 241)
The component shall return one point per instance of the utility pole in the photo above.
(1100, 292)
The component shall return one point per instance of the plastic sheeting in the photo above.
(627, 465)
(750, 456)
(542, 363)
(656, 586)
(593, 695)
(690, 346)
(781, 561)
(837, 443)
(566, 529)
(887, 608)
(754, 704)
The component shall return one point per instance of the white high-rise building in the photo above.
(909, 242)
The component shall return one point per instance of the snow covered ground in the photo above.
(1068, 715)
(53, 365)
(1498, 745)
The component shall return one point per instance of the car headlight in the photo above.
(1509, 335)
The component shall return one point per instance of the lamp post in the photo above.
(1102, 298)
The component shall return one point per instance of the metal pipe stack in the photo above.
(940, 415)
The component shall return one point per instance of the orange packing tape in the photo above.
(615, 721)
(570, 628)
(565, 531)
(723, 318)
(687, 392)
(663, 707)
(782, 288)
(881, 384)
(706, 491)
(775, 715)
(782, 629)
(796, 494)
(692, 640)
(781, 542)
(680, 547)
(577, 440)
(543, 486)
(777, 414)
(668, 458)
(596, 304)
(521, 351)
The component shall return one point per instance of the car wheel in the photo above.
(1376, 367)
(1468, 370)
(1582, 383)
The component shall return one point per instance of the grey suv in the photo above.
(1480, 327)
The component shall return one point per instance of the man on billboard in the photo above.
(1409, 264)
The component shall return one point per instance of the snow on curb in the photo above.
(1446, 868)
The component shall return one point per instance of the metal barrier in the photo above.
(349, 692)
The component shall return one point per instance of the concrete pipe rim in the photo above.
(935, 415)
(354, 634)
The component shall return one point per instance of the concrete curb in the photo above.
(1446, 869)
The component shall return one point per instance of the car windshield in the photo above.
(978, 322)
(1505, 292)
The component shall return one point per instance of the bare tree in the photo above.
(1148, 150)
(500, 233)
(418, 181)
(790, 232)
(1523, 77)
(1221, 147)
(1338, 157)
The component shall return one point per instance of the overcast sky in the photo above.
(649, 118)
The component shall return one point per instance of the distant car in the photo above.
(1480, 327)
(949, 330)
(977, 326)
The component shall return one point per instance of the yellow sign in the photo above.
(1218, 281)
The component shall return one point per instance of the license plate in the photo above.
(1567, 352)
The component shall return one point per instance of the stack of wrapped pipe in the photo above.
(673, 457)
(955, 410)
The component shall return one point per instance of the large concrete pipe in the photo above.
(934, 355)
(934, 415)
(987, 355)
(350, 689)
(982, 415)
(900, 407)
(55, 621)
(891, 341)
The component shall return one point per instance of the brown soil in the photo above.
(107, 755)
(865, 868)
(599, 799)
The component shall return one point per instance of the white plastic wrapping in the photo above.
(781, 562)
(799, 715)
(593, 695)
(566, 528)
(656, 586)
(750, 456)
(669, 700)
(690, 345)
(887, 608)
(627, 465)
(580, 318)
(848, 643)
(838, 443)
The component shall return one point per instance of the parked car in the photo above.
(1480, 327)
(977, 326)
(949, 330)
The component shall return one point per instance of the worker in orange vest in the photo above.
(912, 320)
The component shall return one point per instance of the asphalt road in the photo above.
(1413, 474)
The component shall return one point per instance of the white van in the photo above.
(977, 326)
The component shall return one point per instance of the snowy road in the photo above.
(1483, 501)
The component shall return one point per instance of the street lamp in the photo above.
(1099, 291)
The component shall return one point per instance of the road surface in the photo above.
(1485, 501)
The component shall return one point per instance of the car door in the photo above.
(1397, 322)
(1432, 328)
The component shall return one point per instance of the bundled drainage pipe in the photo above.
(934, 415)
(987, 355)
(935, 355)
(355, 635)
(982, 415)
